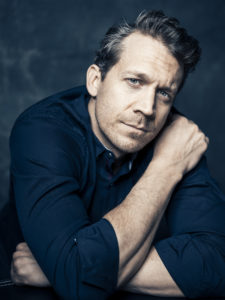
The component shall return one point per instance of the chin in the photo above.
(132, 147)
(124, 145)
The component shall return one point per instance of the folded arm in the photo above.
(153, 279)
(69, 242)
(190, 262)
(46, 169)
(135, 221)
(192, 258)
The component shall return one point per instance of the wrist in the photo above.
(164, 170)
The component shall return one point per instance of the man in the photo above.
(96, 175)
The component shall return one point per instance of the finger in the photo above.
(18, 254)
(21, 264)
(22, 246)
(15, 277)
(21, 275)
(203, 138)
(201, 144)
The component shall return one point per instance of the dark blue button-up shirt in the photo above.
(63, 184)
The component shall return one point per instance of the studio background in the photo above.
(47, 45)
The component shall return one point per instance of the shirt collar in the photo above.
(100, 149)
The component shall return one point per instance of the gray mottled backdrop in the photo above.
(47, 45)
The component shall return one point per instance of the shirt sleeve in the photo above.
(194, 254)
(79, 258)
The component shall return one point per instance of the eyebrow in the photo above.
(140, 75)
(145, 78)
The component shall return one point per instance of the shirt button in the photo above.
(110, 154)
(130, 165)
(75, 241)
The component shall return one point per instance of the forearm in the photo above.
(136, 219)
(153, 279)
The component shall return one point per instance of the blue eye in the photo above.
(134, 81)
(163, 93)
(164, 96)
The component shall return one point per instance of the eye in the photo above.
(134, 82)
(164, 95)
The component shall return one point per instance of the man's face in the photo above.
(133, 101)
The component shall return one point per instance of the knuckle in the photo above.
(202, 135)
(18, 247)
(16, 261)
(17, 254)
(21, 246)
(195, 127)
(204, 146)
(19, 262)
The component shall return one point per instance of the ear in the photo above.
(93, 80)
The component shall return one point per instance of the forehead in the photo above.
(150, 56)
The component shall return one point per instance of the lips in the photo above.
(140, 128)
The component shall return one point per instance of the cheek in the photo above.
(111, 106)
(105, 113)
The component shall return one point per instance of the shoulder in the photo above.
(52, 131)
(66, 111)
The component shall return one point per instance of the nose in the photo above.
(146, 103)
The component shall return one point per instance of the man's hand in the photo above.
(180, 145)
(25, 269)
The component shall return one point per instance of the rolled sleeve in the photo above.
(98, 250)
(196, 262)
(194, 254)
(80, 258)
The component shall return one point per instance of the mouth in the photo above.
(138, 128)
